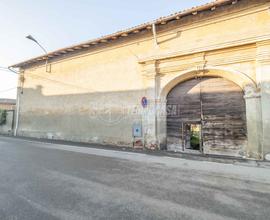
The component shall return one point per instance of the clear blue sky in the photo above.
(60, 23)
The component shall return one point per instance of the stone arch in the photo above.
(245, 82)
(239, 78)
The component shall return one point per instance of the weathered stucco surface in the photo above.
(96, 96)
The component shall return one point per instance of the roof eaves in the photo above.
(126, 32)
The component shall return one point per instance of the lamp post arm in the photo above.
(45, 51)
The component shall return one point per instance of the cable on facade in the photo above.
(59, 82)
(7, 90)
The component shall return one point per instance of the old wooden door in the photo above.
(217, 105)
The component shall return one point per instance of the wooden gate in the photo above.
(217, 106)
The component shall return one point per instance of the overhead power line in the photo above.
(4, 69)
(46, 79)
(7, 90)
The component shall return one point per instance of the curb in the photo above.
(160, 153)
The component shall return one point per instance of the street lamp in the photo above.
(30, 37)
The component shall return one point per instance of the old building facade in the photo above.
(195, 81)
(7, 104)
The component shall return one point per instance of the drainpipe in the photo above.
(156, 136)
(156, 85)
(17, 103)
(155, 35)
(17, 113)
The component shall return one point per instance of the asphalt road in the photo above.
(48, 181)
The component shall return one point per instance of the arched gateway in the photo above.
(207, 114)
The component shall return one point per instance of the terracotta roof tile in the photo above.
(126, 32)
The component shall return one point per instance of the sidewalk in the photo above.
(162, 153)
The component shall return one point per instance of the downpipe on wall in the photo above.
(17, 102)
(156, 89)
